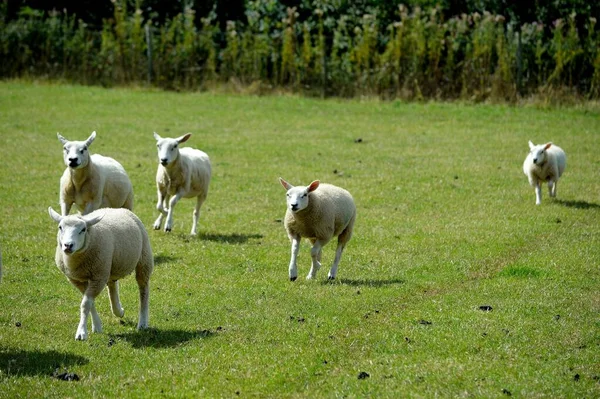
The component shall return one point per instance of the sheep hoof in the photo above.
(293, 278)
(167, 229)
(330, 277)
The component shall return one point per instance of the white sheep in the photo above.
(544, 163)
(318, 212)
(182, 173)
(92, 182)
(99, 249)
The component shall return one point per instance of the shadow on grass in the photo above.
(160, 259)
(229, 238)
(35, 362)
(579, 204)
(156, 338)
(365, 282)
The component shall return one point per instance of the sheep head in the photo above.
(297, 197)
(538, 152)
(75, 153)
(72, 230)
(168, 148)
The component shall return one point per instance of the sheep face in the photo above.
(75, 153)
(168, 149)
(538, 152)
(72, 230)
(297, 197)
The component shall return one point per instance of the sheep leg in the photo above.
(65, 208)
(293, 269)
(315, 254)
(144, 287)
(343, 239)
(87, 307)
(199, 203)
(336, 261)
(172, 202)
(160, 206)
(552, 188)
(538, 193)
(115, 303)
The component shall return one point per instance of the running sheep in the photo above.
(97, 250)
(182, 173)
(92, 182)
(544, 163)
(318, 212)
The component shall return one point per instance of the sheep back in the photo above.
(330, 210)
(114, 247)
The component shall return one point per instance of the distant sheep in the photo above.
(544, 163)
(182, 173)
(318, 212)
(99, 249)
(92, 182)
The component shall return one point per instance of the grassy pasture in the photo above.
(446, 223)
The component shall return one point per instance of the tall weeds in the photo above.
(313, 49)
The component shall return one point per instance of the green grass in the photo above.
(446, 223)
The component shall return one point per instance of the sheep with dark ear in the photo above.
(544, 163)
(318, 212)
(99, 249)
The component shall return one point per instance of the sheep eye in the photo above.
(175, 146)
(82, 230)
(60, 228)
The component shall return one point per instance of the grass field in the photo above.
(446, 223)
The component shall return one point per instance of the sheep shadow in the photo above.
(365, 282)
(157, 338)
(229, 238)
(36, 362)
(160, 259)
(579, 204)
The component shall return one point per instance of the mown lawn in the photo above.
(446, 224)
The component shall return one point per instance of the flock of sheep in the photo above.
(106, 241)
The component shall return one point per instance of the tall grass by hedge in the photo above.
(419, 56)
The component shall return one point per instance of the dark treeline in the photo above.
(418, 49)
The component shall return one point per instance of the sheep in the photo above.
(544, 163)
(182, 173)
(92, 182)
(97, 250)
(318, 212)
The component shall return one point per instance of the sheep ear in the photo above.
(90, 221)
(531, 145)
(184, 138)
(54, 215)
(156, 136)
(548, 146)
(285, 184)
(90, 139)
(313, 186)
(62, 139)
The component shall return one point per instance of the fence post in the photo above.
(149, 52)
(519, 63)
